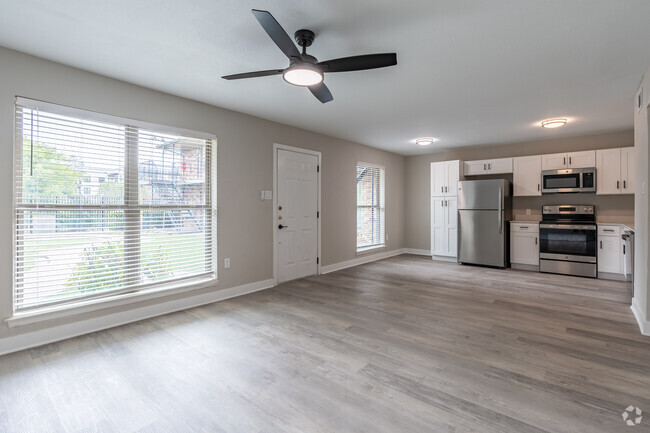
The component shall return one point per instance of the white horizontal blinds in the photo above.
(91, 219)
(370, 206)
(173, 193)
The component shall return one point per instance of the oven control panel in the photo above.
(569, 209)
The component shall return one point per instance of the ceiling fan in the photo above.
(305, 70)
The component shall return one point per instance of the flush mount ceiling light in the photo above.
(553, 123)
(302, 74)
(425, 141)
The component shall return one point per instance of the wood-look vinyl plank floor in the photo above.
(400, 345)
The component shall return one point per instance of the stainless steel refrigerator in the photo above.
(484, 210)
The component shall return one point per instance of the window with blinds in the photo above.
(105, 206)
(371, 212)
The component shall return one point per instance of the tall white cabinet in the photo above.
(444, 208)
(444, 178)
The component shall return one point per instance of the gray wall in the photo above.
(245, 166)
(610, 208)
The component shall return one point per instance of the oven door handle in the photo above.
(567, 226)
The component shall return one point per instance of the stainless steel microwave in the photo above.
(569, 180)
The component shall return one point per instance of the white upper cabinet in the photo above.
(628, 170)
(444, 178)
(558, 161)
(585, 159)
(615, 171)
(554, 161)
(487, 166)
(527, 177)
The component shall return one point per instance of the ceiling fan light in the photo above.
(425, 141)
(302, 75)
(553, 123)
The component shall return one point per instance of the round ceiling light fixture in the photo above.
(553, 123)
(302, 74)
(425, 141)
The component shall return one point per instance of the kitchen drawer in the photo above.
(531, 227)
(609, 230)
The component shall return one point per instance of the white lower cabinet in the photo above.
(524, 244)
(444, 226)
(610, 251)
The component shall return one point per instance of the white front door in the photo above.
(297, 221)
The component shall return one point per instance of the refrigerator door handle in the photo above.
(500, 212)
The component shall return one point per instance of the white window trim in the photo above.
(158, 290)
(96, 304)
(369, 248)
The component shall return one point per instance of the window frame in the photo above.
(381, 207)
(132, 210)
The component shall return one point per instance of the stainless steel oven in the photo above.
(568, 240)
(569, 180)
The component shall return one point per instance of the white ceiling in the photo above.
(469, 71)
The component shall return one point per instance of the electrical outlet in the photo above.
(226, 263)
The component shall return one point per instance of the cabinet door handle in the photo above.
(564, 161)
(442, 189)
(608, 230)
(624, 185)
(490, 166)
(617, 184)
(446, 189)
(601, 245)
(623, 249)
(484, 167)
(569, 160)
(535, 240)
(537, 187)
(523, 227)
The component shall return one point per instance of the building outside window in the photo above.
(371, 211)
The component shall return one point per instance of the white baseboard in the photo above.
(360, 260)
(417, 252)
(28, 340)
(644, 325)
(445, 259)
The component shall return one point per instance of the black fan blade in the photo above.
(277, 34)
(359, 63)
(321, 92)
(254, 74)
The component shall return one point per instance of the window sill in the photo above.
(370, 249)
(60, 311)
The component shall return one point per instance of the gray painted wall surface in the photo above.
(245, 166)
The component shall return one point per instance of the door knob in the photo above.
(281, 226)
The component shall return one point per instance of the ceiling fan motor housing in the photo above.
(304, 37)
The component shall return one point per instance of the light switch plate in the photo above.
(268, 195)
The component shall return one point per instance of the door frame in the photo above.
(276, 147)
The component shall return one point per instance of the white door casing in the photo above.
(297, 207)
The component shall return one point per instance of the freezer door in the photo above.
(481, 237)
(482, 194)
